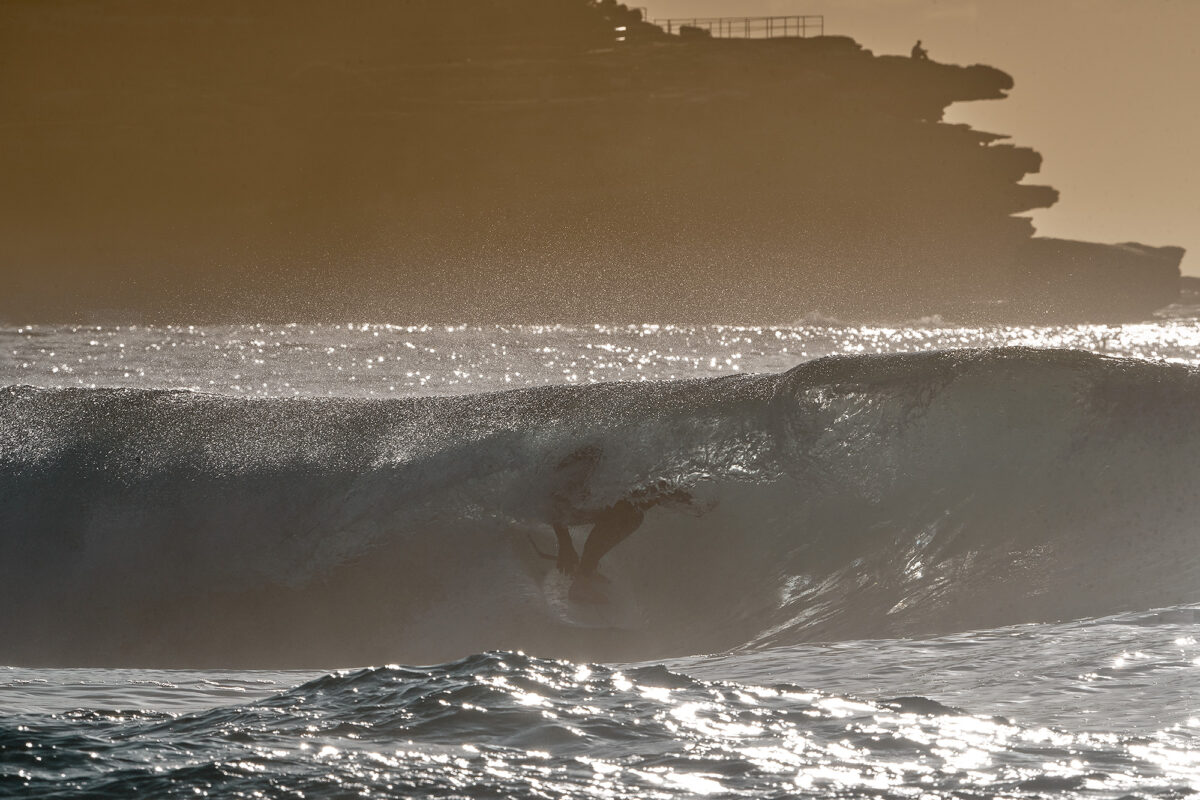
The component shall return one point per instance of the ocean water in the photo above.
(296, 561)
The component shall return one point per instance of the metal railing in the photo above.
(796, 25)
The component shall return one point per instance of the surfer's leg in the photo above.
(568, 559)
(612, 527)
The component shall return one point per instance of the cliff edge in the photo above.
(511, 162)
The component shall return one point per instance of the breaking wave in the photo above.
(850, 497)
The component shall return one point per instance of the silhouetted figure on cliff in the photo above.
(919, 53)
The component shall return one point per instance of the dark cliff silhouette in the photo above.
(509, 160)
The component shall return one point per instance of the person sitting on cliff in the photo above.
(919, 53)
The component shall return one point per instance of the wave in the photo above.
(850, 497)
(509, 725)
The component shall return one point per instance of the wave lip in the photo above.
(847, 498)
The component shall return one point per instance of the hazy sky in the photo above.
(1108, 91)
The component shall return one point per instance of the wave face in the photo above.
(851, 497)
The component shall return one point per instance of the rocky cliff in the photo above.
(510, 161)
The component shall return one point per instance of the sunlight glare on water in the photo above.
(393, 360)
(1101, 706)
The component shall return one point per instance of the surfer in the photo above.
(611, 524)
(610, 527)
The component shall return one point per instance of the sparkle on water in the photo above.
(544, 728)
(394, 360)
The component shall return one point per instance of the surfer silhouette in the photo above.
(611, 524)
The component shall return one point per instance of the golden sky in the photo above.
(1107, 90)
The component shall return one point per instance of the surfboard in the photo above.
(617, 610)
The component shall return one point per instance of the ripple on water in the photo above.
(504, 724)
(390, 360)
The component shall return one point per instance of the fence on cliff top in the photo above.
(796, 25)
